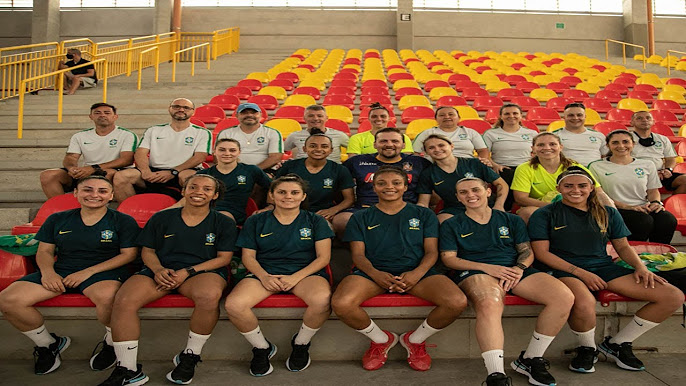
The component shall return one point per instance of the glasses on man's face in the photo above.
(180, 107)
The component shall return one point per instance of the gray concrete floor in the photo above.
(662, 370)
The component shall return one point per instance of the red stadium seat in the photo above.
(529, 125)
(398, 76)
(344, 83)
(252, 84)
(454, 78)
(335, 90)
(527, 86)
(558, 87)
(485, 103)
(570, 80)
(646, 88)
(514, 79)
(266, 102)
(52, 205)
(345, 75)
(292, 76)
(609, 95)
(677, 81)
(542, 115)
(307, 90)
(472, 93)
(416, 112)
(526, 103)
(616, 87)
(622, 116)
(286, 84)
(142, 206)
(241, 92)
(451, 100)
(209, 114)
(251, 207)
(432, 84)
(13, 267)
(407, 91)
(666, 117)
(374, 90)
(197, 122)
(507, 94)
(366, 100)
(352, 61)
(339, 125)
(376, 83)
(680, 149)
(225, 124)
(340, 100)
(292, 112)
(606, 127)
(460, 85)
(477, 124)
(669, 105)
(599, 105)
(644, 96)
(664, 129)
(559, 103)
(577, 95)
(625, 81)
(226, 102)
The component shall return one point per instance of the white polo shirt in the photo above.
(256, 146)
(170, 148)
(98, 149)
(583, 148)
(509, 149)
(657, 153)
(629, 183)
(297, 141)
(464, 139)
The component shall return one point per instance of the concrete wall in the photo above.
(110, 24)
(15, 27)
(669, 35)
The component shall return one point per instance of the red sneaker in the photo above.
(377, 354)
(417, 356)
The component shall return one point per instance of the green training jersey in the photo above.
(323, 185)
(436, 179)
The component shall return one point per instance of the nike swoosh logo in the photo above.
(159, 137)
(467, 235)
(87, 143)
(266, 234)
(41, 331)
(558, 228)
(131, 348)
(537, 338)
(439, 182)
(609, 174)
(64, 232)
(638, 323)
(372, 227)
(168, 236)
(536, 183)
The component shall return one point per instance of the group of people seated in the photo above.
(378, 202)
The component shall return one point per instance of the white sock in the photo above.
(422, 333)
(255, 338)
(493, 360)
(108, 336)
(40, 336)
(538, 344)
(586, 339)
(195, 343)
(635, 328)
(305, 334)
(127, 353)
(374, 333)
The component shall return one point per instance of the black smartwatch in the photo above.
(657, 202)
(96, 166)
(522, 266)
(191, 271)
(174, 172)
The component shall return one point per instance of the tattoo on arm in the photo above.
(523, 252)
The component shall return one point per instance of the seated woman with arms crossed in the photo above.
(285, 250)
(93, 246)
(569, 238)
(490, 251)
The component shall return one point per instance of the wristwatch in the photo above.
(96, 166)
(191, 271)
(657, 202)
(174, 172)
(522, 266)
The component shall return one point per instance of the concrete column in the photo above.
(45, 21)
(405, 29)
(635, 25)
(163, 15)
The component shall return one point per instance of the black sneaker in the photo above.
(622, 354)
(185, 368)
(103, 359)
(47, 359)
(497, 379)
(535, 368)
(299, 359)
(121, 376)
(260, 366)
(584, 360)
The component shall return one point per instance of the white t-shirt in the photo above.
(297, 141)
(657, 153)
(509, 149)
(256, 146)
(464, 139)
(97, 149)
(583, 148)
(170, 148)
(629, 183)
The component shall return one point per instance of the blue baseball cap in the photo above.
(245, 106)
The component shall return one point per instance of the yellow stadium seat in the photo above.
(285, 126)
(396, 71)
(261, 76)
(682, 131)
(299, 100)
(592, 117)
(673, 96)
(653, 81)
(404, 83)
(275, 91)
(639, 57)
(436, 93)
(654, 59)
(632, 104)
(543, 80)
(681, 66)
(674, 87)
(542, 94)
(339, 112)
(317, 83)
(556, 125)
(413, 100)
(467, 112)
(496, 86)
(418, 125)
(590, 88)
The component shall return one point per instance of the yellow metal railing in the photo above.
(156, 63)
(191, 50)
(669, 66)
(624, 44)
(28, 52)
(60, 89)
(13, 72)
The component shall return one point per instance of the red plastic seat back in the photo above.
(239, 91)
(476, 124)
(252, 84)
(292, 112)
(339, 125)
(227, 102)
(209, 113)
(56, 204)
(286, 84)
(676, 205)
(307, 90)
(13, 267)
(417, 112)
(142, 206)
(607, 127)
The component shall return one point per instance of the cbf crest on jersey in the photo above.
(241, 179)
(504, 232)
(210, 238)
(305, 234)
(188, 140)
(526, 137)
(462, 136)
(328, 183)
(260, 140)
(414, 223)
(469, 175)
(593, 139)
(113, 142)
(106, 236)
(640, 172)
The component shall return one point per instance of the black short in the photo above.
(432, 271)
(459, 276)
(119, 274)
(223, 272)
(667, 182)
(321, 273)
